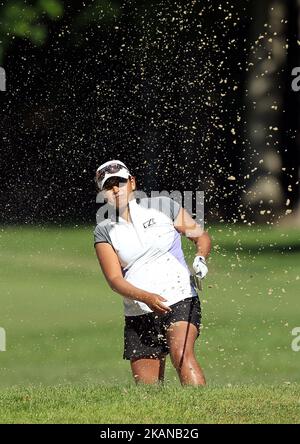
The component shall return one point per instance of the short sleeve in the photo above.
(101, 234)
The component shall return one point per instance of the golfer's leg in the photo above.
(181, 337)
(148, 371)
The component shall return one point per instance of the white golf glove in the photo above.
(200, 267)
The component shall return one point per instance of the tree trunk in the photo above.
(264, 197)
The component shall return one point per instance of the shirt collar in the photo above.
(132, 204)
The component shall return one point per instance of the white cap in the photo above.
(123, 172)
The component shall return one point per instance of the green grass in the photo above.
(64, 331)
(151, 405)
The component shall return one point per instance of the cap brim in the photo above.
(121, 174)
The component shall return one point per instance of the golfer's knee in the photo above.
(181, 358)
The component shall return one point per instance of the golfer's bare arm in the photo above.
(111, 268)
(185, 224)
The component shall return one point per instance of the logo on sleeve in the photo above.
(148, 223)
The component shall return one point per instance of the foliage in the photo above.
(30, 20)
(27, 21)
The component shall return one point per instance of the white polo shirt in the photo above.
(149, 250)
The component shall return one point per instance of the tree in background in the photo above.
(150, 78)
(264, 108)
(296, 218)
(27, 21)
(271, 118)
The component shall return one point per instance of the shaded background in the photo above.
(192, 95)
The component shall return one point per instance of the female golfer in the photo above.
(140, 254)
